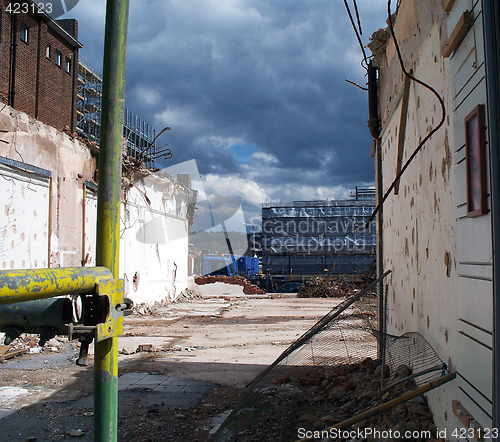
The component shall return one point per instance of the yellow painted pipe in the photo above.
(28, 285)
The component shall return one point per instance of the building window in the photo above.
(24, 33)
(47, 51)
(67, 65)
(58, 58)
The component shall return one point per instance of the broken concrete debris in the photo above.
(28, 343)
(326, 287)
(248, 287)
(141, 348)
(316, 398)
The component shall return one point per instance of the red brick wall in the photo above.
(4, 52)
(42, 89)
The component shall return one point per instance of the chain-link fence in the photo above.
(330, 374)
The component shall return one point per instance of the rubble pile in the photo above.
(144, 309)
(326, 287)
(317, 398)
(29, 344)
(248, 287)
(187, 295)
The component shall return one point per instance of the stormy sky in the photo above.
(253, 90)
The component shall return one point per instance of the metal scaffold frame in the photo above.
(89, 101)
(140, 136)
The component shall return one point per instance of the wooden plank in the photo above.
(467, 420)
(447, 5)
(458, 33)
(4, 349)
(11, 354)
(402, 128)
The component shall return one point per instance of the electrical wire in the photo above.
(357, 16)
(365, 58)
(427, 137)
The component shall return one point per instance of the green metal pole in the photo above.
(108, 208)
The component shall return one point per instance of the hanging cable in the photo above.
(365, 58)
(357, 16)
(427, 137)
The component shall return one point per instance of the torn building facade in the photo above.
(314, 237)
(48, 174)
(435, 228)
(49, 211)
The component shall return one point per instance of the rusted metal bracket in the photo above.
(112, 291)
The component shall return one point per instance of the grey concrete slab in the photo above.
(155, 390)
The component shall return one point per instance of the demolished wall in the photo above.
(154, 238)
(419, 241)
(42, 217)
(49, 211)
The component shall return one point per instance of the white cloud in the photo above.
(146, 94)
(267, 158)
(220, 141)
(241, 188)
(265, 75)
(178, 118)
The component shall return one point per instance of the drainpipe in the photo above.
(13, 59)
(108, 208)
(491, 17)
(374, 126)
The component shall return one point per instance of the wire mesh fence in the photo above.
(330, 374)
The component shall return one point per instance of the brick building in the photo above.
(38, 65)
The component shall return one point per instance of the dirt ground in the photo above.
(225, 341)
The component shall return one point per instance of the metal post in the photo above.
(108, 208)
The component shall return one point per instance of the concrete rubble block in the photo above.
(248, 287)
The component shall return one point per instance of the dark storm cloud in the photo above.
(269, 74)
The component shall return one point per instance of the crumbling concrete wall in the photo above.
(428, 241)
(154, 239)
(49, 212)
(419, 224)
(42, 191)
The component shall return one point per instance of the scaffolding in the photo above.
(139, 135)
(311, 237)
(89, 102)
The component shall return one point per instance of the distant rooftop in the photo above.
(360, 196)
